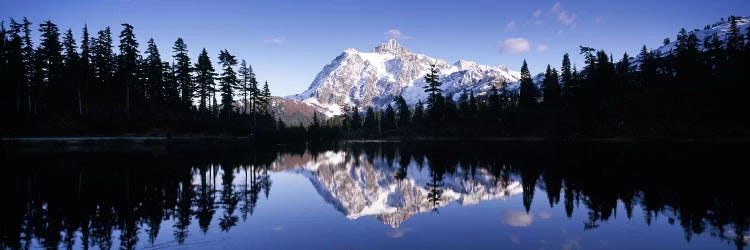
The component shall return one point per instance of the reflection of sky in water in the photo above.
(296, 216)
(310, 206)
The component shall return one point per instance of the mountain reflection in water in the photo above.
(164, 200)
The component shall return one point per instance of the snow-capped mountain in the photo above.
(721, 29)
(357, 187)
(374, 78)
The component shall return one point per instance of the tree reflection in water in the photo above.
(59, 201)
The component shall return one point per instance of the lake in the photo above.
(382, 195)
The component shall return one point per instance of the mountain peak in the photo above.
(391, 46)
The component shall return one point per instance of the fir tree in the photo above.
(404, 114)
(371, 122)
(247, 81)
(356, 119)
(389, 118)
(551, 87)
(72, 64)
(418, 118)
(228, 82)
(183, 73)
(154, 72)
(566, 76)
(127, 65)
(204, 78)
(265, 98)
(50, 67)
(528, 91)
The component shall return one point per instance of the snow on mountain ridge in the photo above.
(374, 78)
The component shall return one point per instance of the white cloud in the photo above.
(396, 34)
(514, 45)
(567, 19)
(541, 48)
(275, 40)
(538, 13)
(538, 22)
(517, 218)
(510, 26)
(556, 8)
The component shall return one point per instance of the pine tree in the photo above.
(204, 78)
(551, 87)
(389, 118)
(433, 85)
(50, 67)
(404, 114)
(315, 124)
(566, 76)
(435, 100)
(103, 62)
(183, 73)
(85, 68)
(14, 73)
(72, 65)
(265, 98)
(27, 53)
(171, 89)
(228, 82)
(247, 81)
(528, 91)
(356, 119)
(418, 119)
(127, 66)
(154, 73)
(735, 41)
(371, 122)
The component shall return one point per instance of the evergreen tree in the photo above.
(735, 41)
(551, 87)
(228, 82)
(356, 119)
(566, 76)
(14, 72)
(389, 118)
(418, 119)
(85, 68)
(50, 67)
(72, 66)
(493, 101)
(127, 66)
(204, 78)
(154, 73)
(247, 81)
(183, 73)
(265, 99)
(435, 100)
(315, 124)
(103, 62)
(27, 53)
(371, 122)
(171, 89)
(528, 91)
(404, 114)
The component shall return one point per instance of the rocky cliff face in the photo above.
(374, 78)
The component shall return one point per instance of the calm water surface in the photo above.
(439, 195)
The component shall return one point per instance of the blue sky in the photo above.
(288, 42)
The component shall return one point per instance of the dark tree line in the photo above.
(687, 92)
(61, 85)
